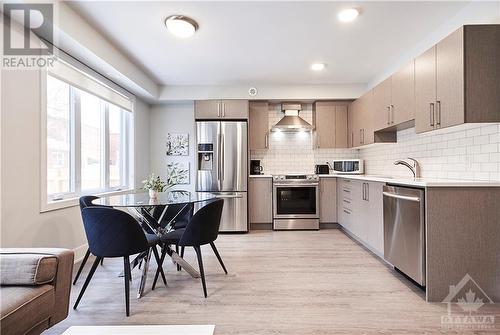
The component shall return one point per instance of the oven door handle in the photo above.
(297, 185)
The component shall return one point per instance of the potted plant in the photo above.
(154, 185)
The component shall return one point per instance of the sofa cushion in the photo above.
(26, 268)
(22, 307)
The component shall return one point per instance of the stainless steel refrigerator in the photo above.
(222, 163)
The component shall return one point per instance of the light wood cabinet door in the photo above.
(403, 94)
(324, 121)
(260, 200)
(450, 80)
(207, 109)
(341, 126)
(234, 109)
(374, 216)
(367, 119)
(381, 103)
(353, 110)
(425, 90)
(327, 199)
(258, 125)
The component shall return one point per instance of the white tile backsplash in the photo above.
(292, 152)
(470, 151)
(467, 152)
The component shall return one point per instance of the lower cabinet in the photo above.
(361, 211)
(260, 200)
(327, 199)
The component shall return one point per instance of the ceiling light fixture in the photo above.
(348, 15)
(318, 66)
(181, 26)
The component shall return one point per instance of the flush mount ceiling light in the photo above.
(181, 26)
(348, 15)
(318, 66)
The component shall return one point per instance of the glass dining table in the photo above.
(139, 203)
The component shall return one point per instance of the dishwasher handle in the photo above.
(402, 197)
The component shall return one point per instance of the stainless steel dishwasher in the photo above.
(404, 230)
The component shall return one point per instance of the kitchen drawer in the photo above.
(347, 203)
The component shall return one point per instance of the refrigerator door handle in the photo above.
(222, 156)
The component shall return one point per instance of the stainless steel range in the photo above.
(295, 202)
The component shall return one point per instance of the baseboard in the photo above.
(80, 252)
(269, 226)
(328, 225)
(261, 226)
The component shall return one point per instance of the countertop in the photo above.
(418, 182)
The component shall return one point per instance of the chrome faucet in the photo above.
(414, 168)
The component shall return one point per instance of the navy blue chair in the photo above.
(85, 201)
(115, 233)
(202, 229)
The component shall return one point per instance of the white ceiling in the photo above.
(240, 43)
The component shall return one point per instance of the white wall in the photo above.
(21, 223)
(174, 118)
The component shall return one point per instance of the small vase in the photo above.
(153, 194)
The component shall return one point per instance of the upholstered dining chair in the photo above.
(85, 201)
(115, 233)
(202, 229)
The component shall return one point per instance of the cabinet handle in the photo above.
(367, 193)
(431, 113)
(346, 201)
(391, 110)
(218, 109)
(352, 139)
(346, 211)
(317, 140)
(438, 113)
(347, 191)
(364, 197)
(223, 109)
(360, 136)
(388, 114)
(266, 141)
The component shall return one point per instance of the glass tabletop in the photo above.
(141, 199)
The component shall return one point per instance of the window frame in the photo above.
(67, 199)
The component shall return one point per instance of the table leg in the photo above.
(183, 264)
(144, 276)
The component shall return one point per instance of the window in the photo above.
(86, 139)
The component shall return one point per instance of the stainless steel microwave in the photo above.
(347, 166)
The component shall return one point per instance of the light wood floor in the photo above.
(293, 282)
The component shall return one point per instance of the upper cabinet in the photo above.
(330, 121)
(221, 109)
(258, 125)
(394, 98)
(457, 81)
(382, 104)
(402, 108)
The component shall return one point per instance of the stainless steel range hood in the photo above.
(292, 121)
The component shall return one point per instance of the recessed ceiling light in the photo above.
(318, 66)
(181, 26)
(348, 15)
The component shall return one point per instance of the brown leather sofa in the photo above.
(35, 286)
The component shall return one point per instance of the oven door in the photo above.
(295, 201)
